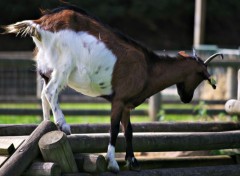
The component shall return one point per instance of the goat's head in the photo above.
(198, 74)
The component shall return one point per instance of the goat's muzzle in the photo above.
(212, 57)
(212, 82)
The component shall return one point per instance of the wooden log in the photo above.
(28, 151)
(91, 163)
(16, 130)
(55, 147)
(161, 127)
(19, 130)
(155, 142)
(232, 170)
(43, 169)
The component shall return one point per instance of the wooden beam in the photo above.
(16, 130)
(6, 148)
(161, 127)
(28, 151)
(20, 130)
(155, 142)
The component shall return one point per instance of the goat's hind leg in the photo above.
(131, 161)
(116, 114)
(51, 91)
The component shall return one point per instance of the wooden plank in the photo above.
(16, 141)
(6, 148)
(28, 151)
(155, 142)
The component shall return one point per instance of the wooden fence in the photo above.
(147, 137)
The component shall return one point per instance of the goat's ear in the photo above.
(183, 54)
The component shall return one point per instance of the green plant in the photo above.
(201, 110)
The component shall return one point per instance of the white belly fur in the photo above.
(90, 62)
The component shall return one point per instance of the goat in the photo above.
(74, 48)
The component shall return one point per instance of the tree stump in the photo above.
(55, 147)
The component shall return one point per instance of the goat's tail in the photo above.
(23, 28)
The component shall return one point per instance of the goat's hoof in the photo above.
(66, 129)
(132, 164)
(113, 166)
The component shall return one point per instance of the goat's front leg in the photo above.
(51, 91)
(116, 114)
(131, 161)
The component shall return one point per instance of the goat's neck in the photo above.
(169, 71)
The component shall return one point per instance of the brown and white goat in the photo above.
(76, 49)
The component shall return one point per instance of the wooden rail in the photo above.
(151, 142)
(22, 130)
(92, 112)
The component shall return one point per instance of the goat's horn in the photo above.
(212, 57)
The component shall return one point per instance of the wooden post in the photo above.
(199, 22)
(43, 169)
(91, 163)
(54, 147)
(154, 106)
(27, 152)
(232, 83)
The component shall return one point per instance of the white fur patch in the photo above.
(85, 58)
(112, 163)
